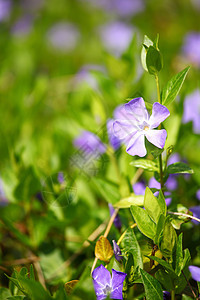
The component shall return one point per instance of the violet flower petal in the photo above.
(157, 137)
(198, 194)
(139, 188)
(196, 213)
(117, 251)
(101, 279)
(159, 114)
(137, 108)
(124, 128)
(117, 284)
(136, 145)
(113, 139)
(171, 183)
(117, 221)
(195, 272)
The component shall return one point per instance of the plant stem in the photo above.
(183, 215)
(173, 295)
(159, 127)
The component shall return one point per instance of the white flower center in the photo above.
(107, 290)
(146, 128)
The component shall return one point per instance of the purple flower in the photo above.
(117, 221)
(195, 272)
(105, 286)
(192, 110)
(114, 141)
(175, 157)
(61, 178)
(191, 47)
(196, 213)
(3, 198)
(137, 124)
(5, 9)
(116, 36)
(166, 295)
(198, 194)
(117, 251)
(22, 27)
(139, 188)
(88, 143)
(127, 7)
(153, 183)
(63, 36)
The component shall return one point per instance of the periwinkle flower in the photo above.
(61, 177)
(89, 143)
(117, 221)
(198, 194)
(22, 27)
(5, 9)
(117, 251)
(139, 188)
(63, 36)
(191, 47)
(192, 110)
(113, 140)
(137, 124)
(166, 295)
(196, 213)
(195, 272)
(116, 36)
(106, 286)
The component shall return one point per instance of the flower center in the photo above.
(107, 290)
(146, 128)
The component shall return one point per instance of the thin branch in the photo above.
(195, 296)
(21, 261)
(183, 215)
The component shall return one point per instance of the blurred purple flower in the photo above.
(137, 124)
(32, 5)
(198, 194)
(166, 295)
(3, 198)
(196, 213)
(153, 183)
(195, 272)
(117, 221)
(116, 37)
(117, 251)
(192, 110)
(106, 286)
(191, 47)
(61, 178)
(22, 27)
(139, 188)
(88, 143)
(175, 157)
(5, 9)
(63, 36)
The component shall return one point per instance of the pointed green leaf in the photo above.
(168, 241)
(154, 60)
(153, 205)
(147, 42)
(132, 200)
(145, 164)
(179, 255)
(162, 203)
(153, 289)
(131, 245)
(144, 222)
(173, 87)
(159, 229)
(179, 167)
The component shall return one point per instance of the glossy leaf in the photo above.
(131, 245)
(154, 206)
(132, 200)
(144, 222)
(179, 167)
(159, 229)
(154, 60)
(168, 241)
(147, 42)
(153, 289)
(145, 164)
(103, 249)
(173, 87)
(179, 255)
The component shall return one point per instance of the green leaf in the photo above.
(144, 222)
(159, 229)
(152, 286)
(154, 60)
(163, 263)
(132, 200)
(131, 245)
(182, 282)
(157, 152)
(165, 278)
(154, 206)
(31, 273)
(168, 241)
(145, 164)
(147, 42)
(162, 203)
(108, 190)
(179, 255)
(173, 87)
(179, 167)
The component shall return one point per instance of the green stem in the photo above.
(173, 295)
(159, 127)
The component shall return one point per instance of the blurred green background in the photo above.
(64, 66)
